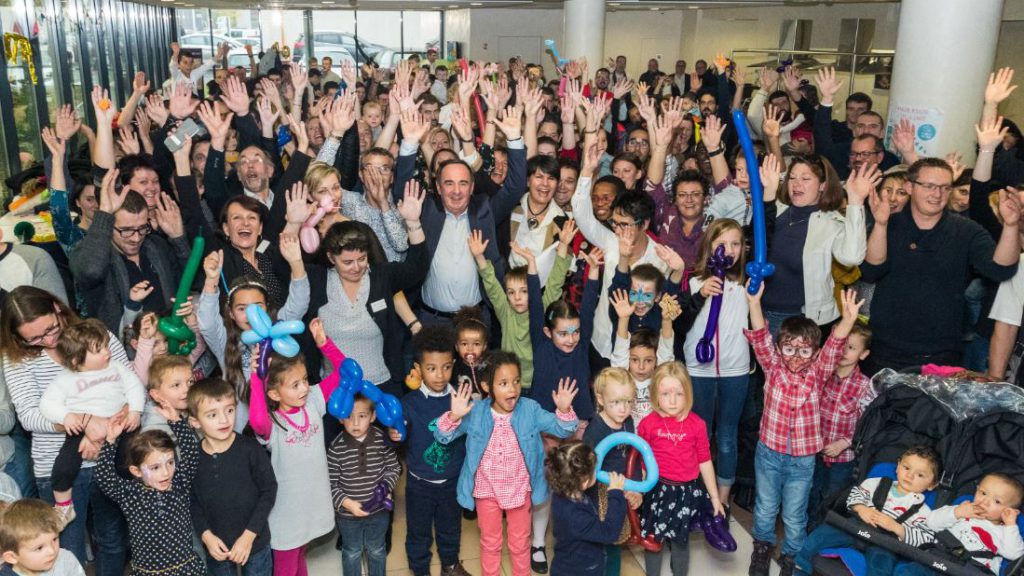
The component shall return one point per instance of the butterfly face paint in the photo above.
(157, 470)
(566, 334)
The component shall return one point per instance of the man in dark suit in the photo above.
(454, 212)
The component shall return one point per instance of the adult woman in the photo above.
(354, 296)
(31, 321)
(809, 231)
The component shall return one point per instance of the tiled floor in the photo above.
(324, 560)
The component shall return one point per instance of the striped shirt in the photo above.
(356, 467)
(26, 381)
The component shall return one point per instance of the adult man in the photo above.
(183, 66)
(680, 80)
(439, 89)
(120, 264)
(619, 69)
(706, 75)
(651, 75)
(432, 60)
(451, 215)
(825, 129)
(866, 149)
(328, 75)
(920, 260)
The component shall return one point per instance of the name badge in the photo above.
(518, 217)
(378, 305)
(263, 246)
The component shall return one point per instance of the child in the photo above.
(504, 466)
(510, 304)
(557, 355)
(155, 502)
(152, 344)
(644, 284)
(795, 371)
(903, 513)
(90, 390)
(170, 378)
(679, 441)
(358, 461)
(431, 500)
(30, 543)
(843, 399)
(373, 115)
(720, 386)
(222, 327)
(581, 535)
(471, 338)
(289, 417)
(234, 489)
(616, 393)
(643, 350)
(987, 524)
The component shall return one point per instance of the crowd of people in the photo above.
(530, 265)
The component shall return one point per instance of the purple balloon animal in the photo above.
(718, 263)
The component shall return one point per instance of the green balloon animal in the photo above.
(181, 340)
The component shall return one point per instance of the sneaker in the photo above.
(760, 559)
(538, 560)
(787, 564)
(66, 515)
(469, 514)
(454, 570)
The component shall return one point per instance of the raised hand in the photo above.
(670, 257)
(621, 304)
(510, 123)
(566, 235)
(851, 305)
(767, 77)
(139, 83)
(460, 122)
(411, 206)
(881, 210)
(212, 266)
(236, 96)
(54, 143)
(462, 402)
(903, 136)
(594, 258)
(772, 123)
(771, 171)
(128, 141)
(791, 79)
(217, 127)
(999, 88)
(297, 204)
(138, 293)
(168, 216)
(627, 242)
(955, 161)
(1009, 206)
(696, 82)
(68, 123)
(182, 104)
(477, 243)
(525, 254)
(110, 199)
(156, 110)
(103, 107)
(316, 330)
(711, 135)
(861, 183)
(622, 87)
(414, 126)
(828, 84)
(990, 134)
(564, 395)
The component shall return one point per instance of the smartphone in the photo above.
(187, 128)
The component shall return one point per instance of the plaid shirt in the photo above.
(791, 423)
(842, 403)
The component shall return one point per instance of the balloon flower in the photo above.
(277, 337)
(718, 263)
(339, 405)
(309, 237)
(181, 340)
(759, 268)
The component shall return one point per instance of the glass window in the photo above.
(421, 31)
(284, 28)
(380, 35)
(51, 61)
(14, 14)
(334, 37)
(72, 24)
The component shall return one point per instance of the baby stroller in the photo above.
(976, 429)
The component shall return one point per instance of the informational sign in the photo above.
(927, 125)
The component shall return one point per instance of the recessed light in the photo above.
(655, 9)
(327, 2)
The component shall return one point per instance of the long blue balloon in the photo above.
(759, 268)
(641, 445)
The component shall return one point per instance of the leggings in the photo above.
(680, 552)
(290, 562)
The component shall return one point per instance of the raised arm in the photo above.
(1000, 86)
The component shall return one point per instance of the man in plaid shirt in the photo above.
(795, 372)
(843, 400)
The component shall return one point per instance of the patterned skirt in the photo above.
(669, 508)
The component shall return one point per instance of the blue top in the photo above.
(581, 535)
(651, 320)
(528, 421)
(427, 458)
(784, 290)
(551, 364)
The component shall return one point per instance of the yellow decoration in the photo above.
(16, 45)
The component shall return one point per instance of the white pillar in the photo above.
(944, 52)
(583, 31)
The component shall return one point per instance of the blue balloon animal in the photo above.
(339, 405)
(641, 445)
(270, 336)
(554, 52)
(759, 268)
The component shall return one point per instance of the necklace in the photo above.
(673, 437)
(305, 425)
(533, 221)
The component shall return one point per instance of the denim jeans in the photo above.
(20, 465)
(828, 481)
(782, 482)
(105, 521)
(721, 400)
(261, 563)
(359, 535)
(432, 509)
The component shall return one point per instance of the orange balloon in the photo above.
(104, 104)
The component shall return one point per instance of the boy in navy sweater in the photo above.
(431, 505)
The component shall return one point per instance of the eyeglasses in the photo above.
(254, 161)
(127, 233)
(945, 189)
(49, 332)
(623, 225)
(863, 155)
(690, 195)
(638, 142)
(382, 168)
(804, 353)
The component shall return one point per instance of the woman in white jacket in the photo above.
(809, 231)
